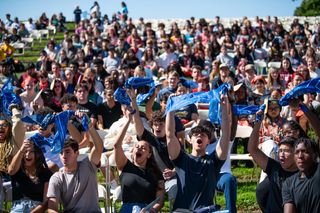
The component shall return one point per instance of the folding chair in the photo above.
(19, 48)
(261, 67)
(28, 42)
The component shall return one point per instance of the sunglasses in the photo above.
(4, 125)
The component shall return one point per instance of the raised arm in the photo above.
(172, 141)
(15, 164)
(136, 116)
(97, 148)
(258, 156)
(18, 127)
(223, 145)
(74, 132)
(312, 118)
(119, 155)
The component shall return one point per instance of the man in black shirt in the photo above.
(277, 172)
(81, 92)
(301, 192)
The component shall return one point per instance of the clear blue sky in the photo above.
(160, 9)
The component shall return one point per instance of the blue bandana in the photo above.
(56, 141)
(8, 97)
(310, 86)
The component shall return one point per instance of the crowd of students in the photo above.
(81, 74)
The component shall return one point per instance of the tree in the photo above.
(308, 8)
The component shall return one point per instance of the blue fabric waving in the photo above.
(245, 109)
(141, 98)
(8, 97)
(309, 86)
(136, 82)
(42, 120)
(212, 96)
(121, 96)
(56, 141)
(188, 83)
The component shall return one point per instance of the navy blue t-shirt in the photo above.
(196, 180)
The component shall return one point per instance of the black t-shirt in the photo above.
(160, 145)
(196, 180)
(277, 175)
(138, 185)
(109, 115)
(89, 108)
(185, 114)
(304, 193)
(24, 187)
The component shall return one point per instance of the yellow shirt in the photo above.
(7, 50)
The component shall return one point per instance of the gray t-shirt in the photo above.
(77, 191)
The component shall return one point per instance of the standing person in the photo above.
(197, 173)
(76, 185)
(277, 171)
(124, 8)
(300, 192)
(30, 177)
(77, 14)
(141, 180)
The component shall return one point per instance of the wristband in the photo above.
(133, 112)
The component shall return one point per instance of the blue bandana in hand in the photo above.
(310, 86)
(122, 97)
(136, 82)
(8, 97)
(56, 141)
(245, 109)
(141, 98)
(188, 83)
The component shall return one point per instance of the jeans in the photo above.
(128, 207)
(24, 206)
(227, 183)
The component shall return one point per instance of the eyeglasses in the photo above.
(201, 134)
(4, 125)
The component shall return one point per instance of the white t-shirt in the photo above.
(226, 167)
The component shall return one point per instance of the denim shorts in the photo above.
(24, 205)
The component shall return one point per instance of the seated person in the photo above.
(300, 192)
(141, 180)
(30, 177)
(108, 111)
(189, 114)
(75, 186)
